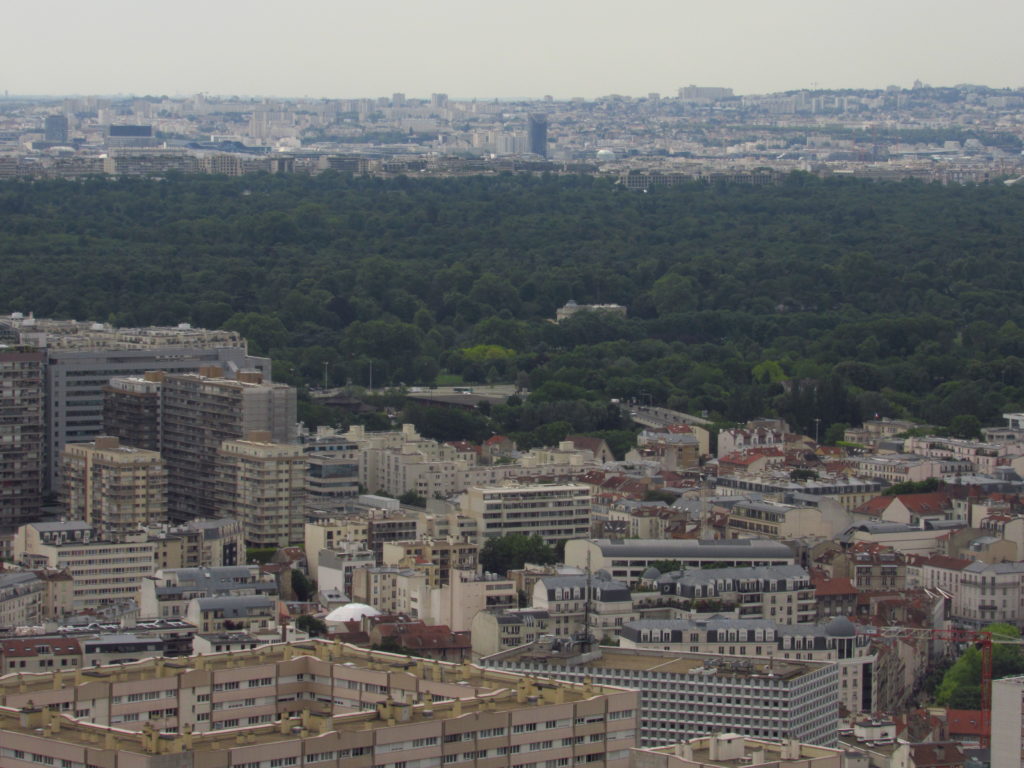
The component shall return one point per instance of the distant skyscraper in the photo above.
(439, 100)
(56, 127)
(537, 134)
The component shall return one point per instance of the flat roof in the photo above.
(485, 690)
(664, 662)
(707, 548)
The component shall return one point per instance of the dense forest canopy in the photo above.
(817, 299)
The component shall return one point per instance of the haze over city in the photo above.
(338, 50)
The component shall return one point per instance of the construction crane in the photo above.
(982, 639)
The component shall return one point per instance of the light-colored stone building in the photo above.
(102, 571)
(167, 593)
(730, 749)
(555, 512)
(319, 703)
(22, 598)
(263, 484)
(447, 554)
(991, 592)
(628, 559)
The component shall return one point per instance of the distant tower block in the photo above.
(537, 135)
(56, 128)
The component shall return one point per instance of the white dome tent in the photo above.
(350, 612)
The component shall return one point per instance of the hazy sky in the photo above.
(482, 48)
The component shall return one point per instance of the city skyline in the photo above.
(570, 49)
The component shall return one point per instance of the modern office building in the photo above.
(116, 489)
(537, 134)
(627, 559)
(202, 410)
(687, 695)
(22, 435)
(79, 359)
(263, 484)
(837, 641)
(318, 703)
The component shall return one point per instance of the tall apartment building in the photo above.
(102, 571)
(264, 485)
(116, 489)
(21, 435)
(201, 411)
(315, 704)
(554, 511)
(687, 695)
(131, 410)
(79, 359)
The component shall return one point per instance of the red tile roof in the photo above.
(827, 587)
(874, 507)
(964, 722)
(925, 503)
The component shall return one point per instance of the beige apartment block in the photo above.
(555, 512)
(466, 594)
(263, 484)
(627, 559)
(116, 489)
(318, 703)
(333, 533)
(446, 554)
(202, 411)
